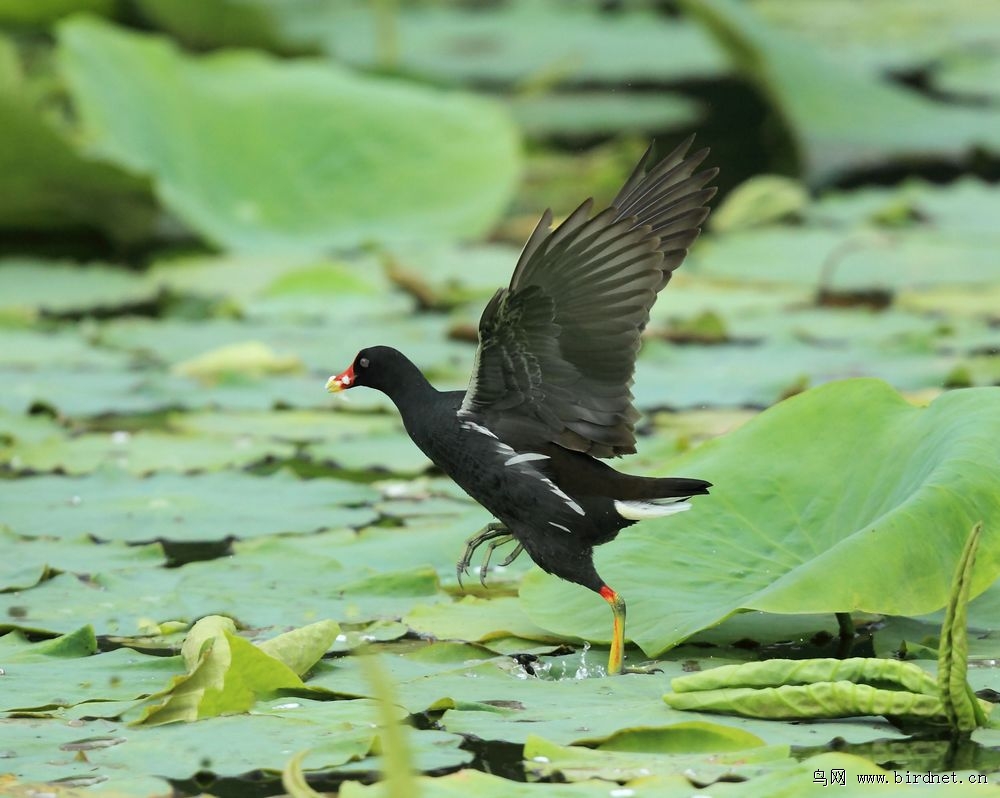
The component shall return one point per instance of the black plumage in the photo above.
(550, 390)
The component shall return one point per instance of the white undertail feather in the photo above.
(654, 508)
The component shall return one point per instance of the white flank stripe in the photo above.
(524, 458)
(569, 502)
(640, 511)
(560, 526)
(472, 425)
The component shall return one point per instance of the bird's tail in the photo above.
(652, 497)
(656, 488)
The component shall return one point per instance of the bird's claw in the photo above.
(495, 534)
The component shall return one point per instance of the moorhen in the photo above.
(549, 392)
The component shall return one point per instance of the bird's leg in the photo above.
(616, 659)
(490, 548)
(492, 530)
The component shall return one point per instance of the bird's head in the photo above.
(372, 367)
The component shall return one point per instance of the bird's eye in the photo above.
(363, 362)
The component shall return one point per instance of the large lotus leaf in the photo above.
(822, 100)
(28, 13)
(819, 504)
(46, 183)
(517, 41)
(331, 158)
(235, 23)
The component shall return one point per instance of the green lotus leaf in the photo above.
(820, 700)
(226, 674)
(331, 158)
(822, 99)
(777, 672)
(819, 502)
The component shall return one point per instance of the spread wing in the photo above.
(557, 347)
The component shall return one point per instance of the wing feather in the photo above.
(557, 347)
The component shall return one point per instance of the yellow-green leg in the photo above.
(616, 657)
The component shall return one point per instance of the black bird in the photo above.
(550, 388)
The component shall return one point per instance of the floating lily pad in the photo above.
(56, 287)
(567, 114)
(336, 732)
(114, 506)
(40, 683)
(25, 350)
(521, 40)
(737, 375)
(871, 34)
(241, 277)
(145, 452)
(971, 75)
(82, 556)
(576, 763)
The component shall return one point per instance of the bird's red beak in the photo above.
(342, 381)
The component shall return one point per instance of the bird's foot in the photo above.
(493, 544)
(490, 532)
(647, 668)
